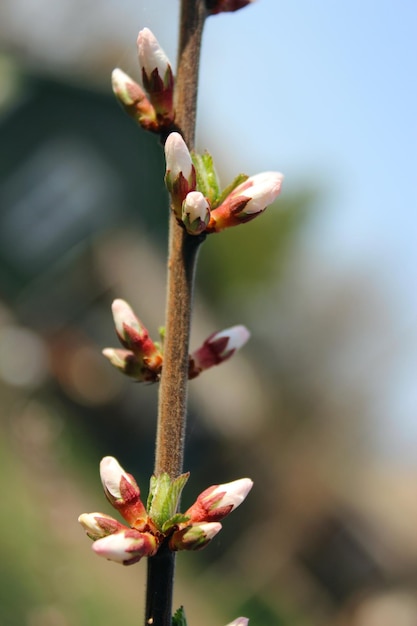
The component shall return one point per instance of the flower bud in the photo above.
(126, 546)
(194, 536)
(98, 525)
(134, 100)
(178, 158)
(180, 177)
(226, 6)
(129, 364)
(213, 504)
(157, 76)
(217, 348)
(122, 491)
(123, 317)
(195, 213)
(240, 621)
(134, 336)
(246, 201)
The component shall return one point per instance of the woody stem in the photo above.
(182, 255)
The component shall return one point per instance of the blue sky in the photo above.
(333, 89)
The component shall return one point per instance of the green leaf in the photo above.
(178, 619)
(240, 178)
(179, 518)
(207, 181)
(164, 495)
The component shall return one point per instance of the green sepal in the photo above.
(164, 495)
(206, 176)
(178, 518)
(240, 178)
(178, 619)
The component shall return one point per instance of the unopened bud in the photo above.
(246, 201)
(217, 348)
(195, 213)
(226, 6)
(129, 364)
(135, 337)
(180, 177)
(240, 621)
(98, 525)
(126, 546)
(157, 76)
(213, 504)
(134, 100)
(122, 491)
(195, 536)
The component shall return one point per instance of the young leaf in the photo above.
(207, 181)
(240, 178)
(178, 619)
(179, 518)
(163, 497)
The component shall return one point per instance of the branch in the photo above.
(182, 256)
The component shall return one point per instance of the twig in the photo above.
(182, 256)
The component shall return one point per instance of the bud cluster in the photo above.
(196, 199)
(150, 103)
(142, 359)
(158, 522)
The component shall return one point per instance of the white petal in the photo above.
(111, 473)
(178, 158)
(235, 492)
(151, 55)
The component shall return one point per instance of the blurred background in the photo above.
(320, 409)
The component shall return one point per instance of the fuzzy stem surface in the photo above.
(182, 256)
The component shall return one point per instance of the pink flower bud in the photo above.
(180, 177)
(129, 364)
(217, 348)
(246, 201)
(98, 525)
(123, 316)
(134, 336)
(126, 546)
(194, 536)
(134, 100)
(225, 6)
(157, 76)
(122, 491)
(213, 504)
(195, 213)
(178, 158)
(151, 55)
(240, 621)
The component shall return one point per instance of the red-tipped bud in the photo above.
(217, 348)
(122, 491)
(126, 546)
(134, 336)
(195, 536)
(180, 177)
(129, 364)
(226, 6)
(134, 100)
(157, 76)
(213, 504)
(98, 525)
(246, 201)
(195, 213)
